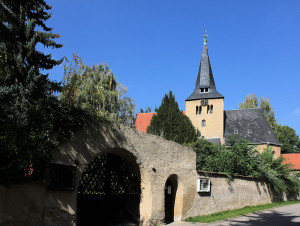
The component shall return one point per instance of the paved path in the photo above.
(281, 216)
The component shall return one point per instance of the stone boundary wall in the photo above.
(228, 195)
(155, 158)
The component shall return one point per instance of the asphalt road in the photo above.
(281, 216)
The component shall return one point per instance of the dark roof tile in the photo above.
(249, 124)
(205, 79)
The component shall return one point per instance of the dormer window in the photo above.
(204, 90)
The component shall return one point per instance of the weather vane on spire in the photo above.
(204, 36)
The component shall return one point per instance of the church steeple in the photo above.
(205, 85)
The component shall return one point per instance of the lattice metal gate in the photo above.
(108, 193)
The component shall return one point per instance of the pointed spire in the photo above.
(204, 36)
(205, 75)
(205, 85)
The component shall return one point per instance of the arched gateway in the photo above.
(109, 192)
(170, 196)
(108, 175)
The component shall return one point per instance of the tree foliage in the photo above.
(289, 139)
(286, 135)
(241, 159)
(236, 159)
(28, 110)
(22, 83)
(96, 90)
(171, 123)
(203, 149)
(278, 174)
(148, 110)
(252, 101)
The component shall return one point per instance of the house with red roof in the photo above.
(294, 159)
(143, 121)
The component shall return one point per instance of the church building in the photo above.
(205, 108)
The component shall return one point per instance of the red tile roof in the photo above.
(293, 158)
(143, 121)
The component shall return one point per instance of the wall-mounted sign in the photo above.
(203, 185)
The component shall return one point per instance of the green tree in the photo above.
(96, 90)
(239, 158)
(148, 110)
(279, 174)
(28, 107)
(269, 113)
(171, 123)
(236, 159)
(289, 139)
(22, 83)
(252, 101)
(203, 149)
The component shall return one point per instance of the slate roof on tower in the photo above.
(205, 79)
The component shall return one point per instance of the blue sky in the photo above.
(154, 46)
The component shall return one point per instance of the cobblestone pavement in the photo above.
(281, 216)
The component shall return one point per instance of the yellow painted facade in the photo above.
(276, 150)
(205, 109)
(214, 121)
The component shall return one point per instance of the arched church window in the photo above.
(211, 108)
(203, 123)
(207, 109)
(197, 110)
(200, 111)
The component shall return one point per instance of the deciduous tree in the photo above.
(252, 101)
(96, 90)
(289, 139)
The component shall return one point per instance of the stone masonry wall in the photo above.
(228, 195)
(155, 158)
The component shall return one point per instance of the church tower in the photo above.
(205, 106)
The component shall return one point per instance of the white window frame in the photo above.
(200, 182)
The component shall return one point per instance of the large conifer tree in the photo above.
(25, 92)
(171, 123)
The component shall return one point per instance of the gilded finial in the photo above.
(204, 36)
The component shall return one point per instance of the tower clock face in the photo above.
(204, 102)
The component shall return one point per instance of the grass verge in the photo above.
(237, 212)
